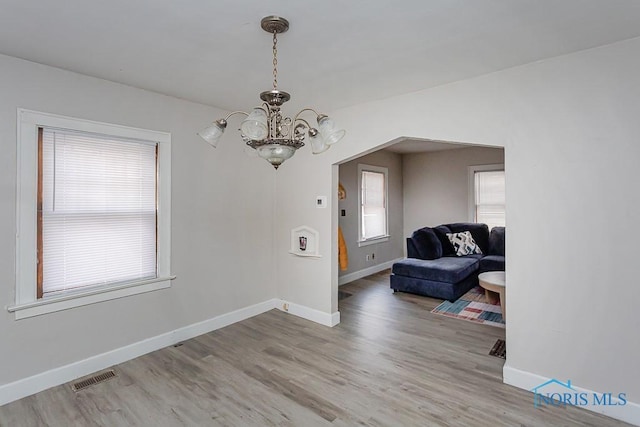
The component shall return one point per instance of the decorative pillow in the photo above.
(447, 248)
(463, 243)
(426, 244)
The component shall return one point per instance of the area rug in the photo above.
(472, 307)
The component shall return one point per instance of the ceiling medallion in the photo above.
(274, 137)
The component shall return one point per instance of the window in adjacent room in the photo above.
(372, 181)
(98, 209)
(487, 184)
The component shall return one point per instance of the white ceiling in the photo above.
(336, 53)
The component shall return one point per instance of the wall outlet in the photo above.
(368, 257)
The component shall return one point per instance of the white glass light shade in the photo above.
(317, 144)
(275, 154)
(255, 125)
(328, 131)
(212, 134)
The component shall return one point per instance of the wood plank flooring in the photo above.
(389, 363)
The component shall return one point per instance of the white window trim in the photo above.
(386, 236)
(472, 185)
(26, 302)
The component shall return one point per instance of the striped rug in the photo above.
(472, 307)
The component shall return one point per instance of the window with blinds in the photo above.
(490, 197)
(97, 210)
(373, 203)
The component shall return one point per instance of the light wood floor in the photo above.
(389, 363)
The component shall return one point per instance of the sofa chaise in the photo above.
(432, 267)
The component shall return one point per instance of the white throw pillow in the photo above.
(463, 243)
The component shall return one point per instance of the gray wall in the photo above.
(385, 251)
(570, 130)
(222, 212)
(436, 186)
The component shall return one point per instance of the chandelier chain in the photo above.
(275, 61)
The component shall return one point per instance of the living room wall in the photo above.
(384, 251)
(569, 127)
(222, 212)
(436, 184)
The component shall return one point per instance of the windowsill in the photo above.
(64, 302)
(373, 241)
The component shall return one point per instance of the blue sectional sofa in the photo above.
(432, 267)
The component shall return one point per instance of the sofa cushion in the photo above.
(496, 241)
(492, 263)
(426, 244)
(447, 248)
(412, 252)
(445, 269)
(463, 243)
(480, 233)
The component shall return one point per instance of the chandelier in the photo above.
(274, 137)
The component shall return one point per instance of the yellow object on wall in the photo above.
(343, 257)
(342, 193)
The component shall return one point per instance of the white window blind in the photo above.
(373, 208)
(490, 198)
(98, 210)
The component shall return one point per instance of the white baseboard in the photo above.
(54, 377)
(629, 413)
(312, 314)
(348, 278)
(31, 385)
